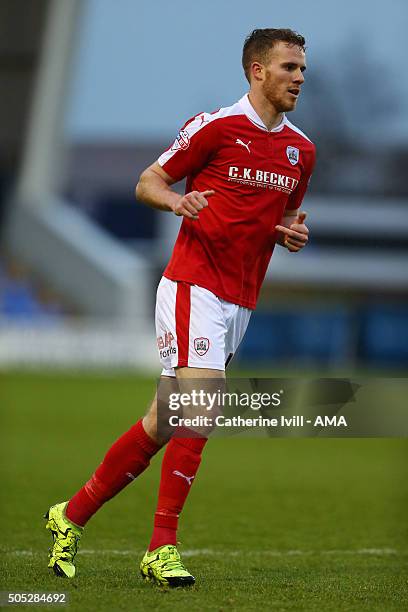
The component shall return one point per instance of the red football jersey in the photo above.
(256, 174)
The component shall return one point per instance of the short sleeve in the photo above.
(194, 146)
(296, 198)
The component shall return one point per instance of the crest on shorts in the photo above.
(201, 346)
(182, 141)
(293, 155)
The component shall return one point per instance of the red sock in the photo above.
(128, 457)
(179, 467)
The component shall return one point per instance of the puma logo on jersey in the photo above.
(239, 141)
(188, 478)
(203, 119)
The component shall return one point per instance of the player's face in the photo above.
(283, 76)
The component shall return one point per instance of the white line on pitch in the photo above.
(200, 552)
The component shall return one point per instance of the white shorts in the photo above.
(196, 328)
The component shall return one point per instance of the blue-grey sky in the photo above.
(142, 68)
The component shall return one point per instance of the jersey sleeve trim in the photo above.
(195, 125)
(186, 134)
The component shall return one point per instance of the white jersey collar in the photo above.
(253, 116)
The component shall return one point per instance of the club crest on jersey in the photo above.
(182, 141)
(293, 155)
(201, 346)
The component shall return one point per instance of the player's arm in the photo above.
(154, 189)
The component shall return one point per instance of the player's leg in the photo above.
(182, 457)
(180, 464)
(126, 459)
(192, 324)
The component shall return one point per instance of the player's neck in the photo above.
(265, 110)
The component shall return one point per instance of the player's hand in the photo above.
(192, 203)
(295, 236)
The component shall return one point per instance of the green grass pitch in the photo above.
(271, 524)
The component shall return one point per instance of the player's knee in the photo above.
(150, 426)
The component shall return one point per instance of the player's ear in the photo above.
(257, 71)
